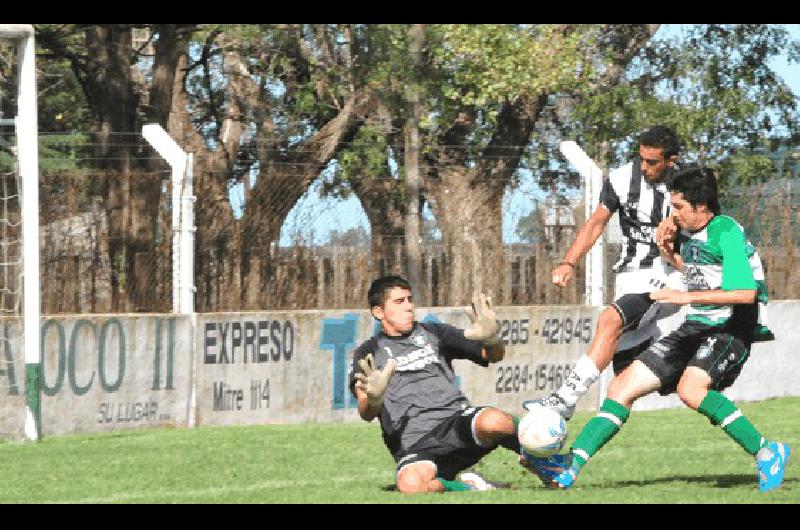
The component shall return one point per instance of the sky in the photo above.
(317, 215)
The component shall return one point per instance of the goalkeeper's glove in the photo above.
(372, 381)
(484, 326)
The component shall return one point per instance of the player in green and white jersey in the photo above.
(719, 257)
(725, 287)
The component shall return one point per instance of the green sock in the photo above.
(598, 431)
(721, 411)
(454, 485)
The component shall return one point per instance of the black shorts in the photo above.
(450, 446)
(631, 308)
(721, 355)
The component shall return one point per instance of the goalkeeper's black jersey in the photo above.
(423, 390)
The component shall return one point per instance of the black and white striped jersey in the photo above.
(642, 206)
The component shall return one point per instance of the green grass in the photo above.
(669, 456)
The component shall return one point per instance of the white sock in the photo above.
(579, 380)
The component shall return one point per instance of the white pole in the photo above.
(187, 231)
(593, 177)
(595, 271)
(182, 216)
(28, 152)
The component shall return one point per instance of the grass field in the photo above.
(667, 456)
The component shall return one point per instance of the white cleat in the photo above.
(552, 401)
(480, 483)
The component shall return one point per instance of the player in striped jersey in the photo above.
(705, 354)
(638, 192)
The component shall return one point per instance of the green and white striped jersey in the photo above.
(720, 257)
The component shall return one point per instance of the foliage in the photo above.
(366, 157)
(285, 82)
(352, 237)
(530, 228)
(746, 168)
(715, 87)
(492, 63)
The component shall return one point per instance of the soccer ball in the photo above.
(542, 432)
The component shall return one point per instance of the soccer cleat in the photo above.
(554, 471)
(552, 401)
(479, 483)
(771, 461)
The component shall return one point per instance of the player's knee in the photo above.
(691, 392)
(415, 478)
(492, 424)
(610, 319)
(635, 381)
(411, 484)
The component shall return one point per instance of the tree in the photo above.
(102, 60)
(715, 87)
(478, 94)
(495, 84)
(352, 237)
(280, 103)
(274, 105)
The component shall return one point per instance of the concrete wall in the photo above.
(111, 372)
(12, 381)
(273, 367)
(292, 367)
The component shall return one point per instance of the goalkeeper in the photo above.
(404, 376)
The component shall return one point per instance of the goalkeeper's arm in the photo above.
(485, 328)
(494, 353)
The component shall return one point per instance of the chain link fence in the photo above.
(105, 225)
(106, 238)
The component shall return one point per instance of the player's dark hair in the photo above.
(661, 137)
(379, 290)
(698, 186)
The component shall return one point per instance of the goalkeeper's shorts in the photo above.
(451, 446)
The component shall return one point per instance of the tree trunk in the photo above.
(171, 45)
(215, 238)
(110, 95)
(470, 218)
(468, 201)
(281, 182)
(133, 195)
(386, 217)
(411, 162)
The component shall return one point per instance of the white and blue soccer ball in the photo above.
(542, 432)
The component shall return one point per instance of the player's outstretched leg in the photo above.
(574, 387)
(561, 471)
(771, 457)
(587, 369)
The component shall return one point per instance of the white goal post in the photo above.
(27, 154)
(593, 182)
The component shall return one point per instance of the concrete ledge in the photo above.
(112, 372)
